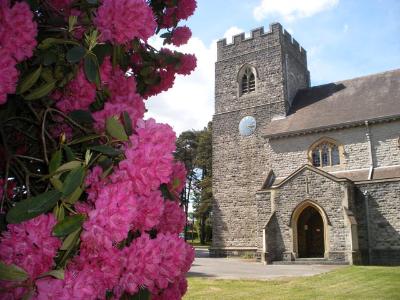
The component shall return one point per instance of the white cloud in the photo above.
(231, 32)
(189, 104)
(292, 9)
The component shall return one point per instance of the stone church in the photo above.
(303, 173)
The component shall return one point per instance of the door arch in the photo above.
(310, 230)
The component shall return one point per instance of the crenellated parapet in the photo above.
(258, 40)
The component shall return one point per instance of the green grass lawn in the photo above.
(355, 282)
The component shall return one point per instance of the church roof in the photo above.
(346, 103)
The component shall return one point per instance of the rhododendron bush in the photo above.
(89, 188)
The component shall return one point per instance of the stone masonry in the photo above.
(262, 184)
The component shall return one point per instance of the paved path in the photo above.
(233, 268)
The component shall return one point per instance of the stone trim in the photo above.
(313, 169)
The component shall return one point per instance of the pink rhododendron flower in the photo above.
(178, 179)
(148, 161)
(173, 219)
(181, 35)
(17, 30)
(167, 78)
(169, 18)
(187, 64)
(106, 71)
(123, 97)
(120, 21)
(174, 291)
(185, 9)
(30, 245)
(154, 263)
(8, 75)
(135, 111)
(78, 94)
(49, 288)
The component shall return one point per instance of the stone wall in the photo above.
(288, 154)
(384, 222)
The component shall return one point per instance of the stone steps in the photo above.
(311, 261)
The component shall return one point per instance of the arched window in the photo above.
(248, 82)
(325, 153)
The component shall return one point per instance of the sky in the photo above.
(343, 38)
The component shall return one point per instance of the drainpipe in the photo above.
(366, 196)
(371, 160)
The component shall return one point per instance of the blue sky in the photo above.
(343, 38)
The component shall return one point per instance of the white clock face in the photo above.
(247, 126)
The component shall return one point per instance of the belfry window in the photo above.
(248, 84)
(325, 154)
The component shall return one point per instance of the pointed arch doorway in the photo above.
(309, 225)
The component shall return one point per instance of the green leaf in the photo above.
(92, 1)
(28, 81)
(147, 71)
(127, 122)
(91, 66)
(68, 153)
(59, 274)
(143, 294)
(69, 166)
(165, 192)
(47, 43)
(74, 196)
(49, 57)
(41, 91)
(57, 183)
(32, 207)
(12, 273)
(81, 116)
(166, 35)
(115, 129)
(68, 225)
(85, 139)
(107, 150)
(75, 54)
(55, 161)
(70, 240)
(73, 181)
(101, 51)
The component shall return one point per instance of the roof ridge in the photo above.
(351, 79)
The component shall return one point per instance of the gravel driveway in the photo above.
(235, 268)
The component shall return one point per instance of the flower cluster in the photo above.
(120, 21)
(181, 35)
(127, 199)
(183, 10)
(17, 41)
(78, 94)
(30, 246)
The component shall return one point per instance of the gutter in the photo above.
(371, 159)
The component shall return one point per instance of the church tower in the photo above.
(256, 79)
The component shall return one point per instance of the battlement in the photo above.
(258, 37)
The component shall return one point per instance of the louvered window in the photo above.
(248, 83)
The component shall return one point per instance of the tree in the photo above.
(186, 152)
(203, 204)
(194, 149)
(88, 189)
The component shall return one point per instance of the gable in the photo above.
(303, 171)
